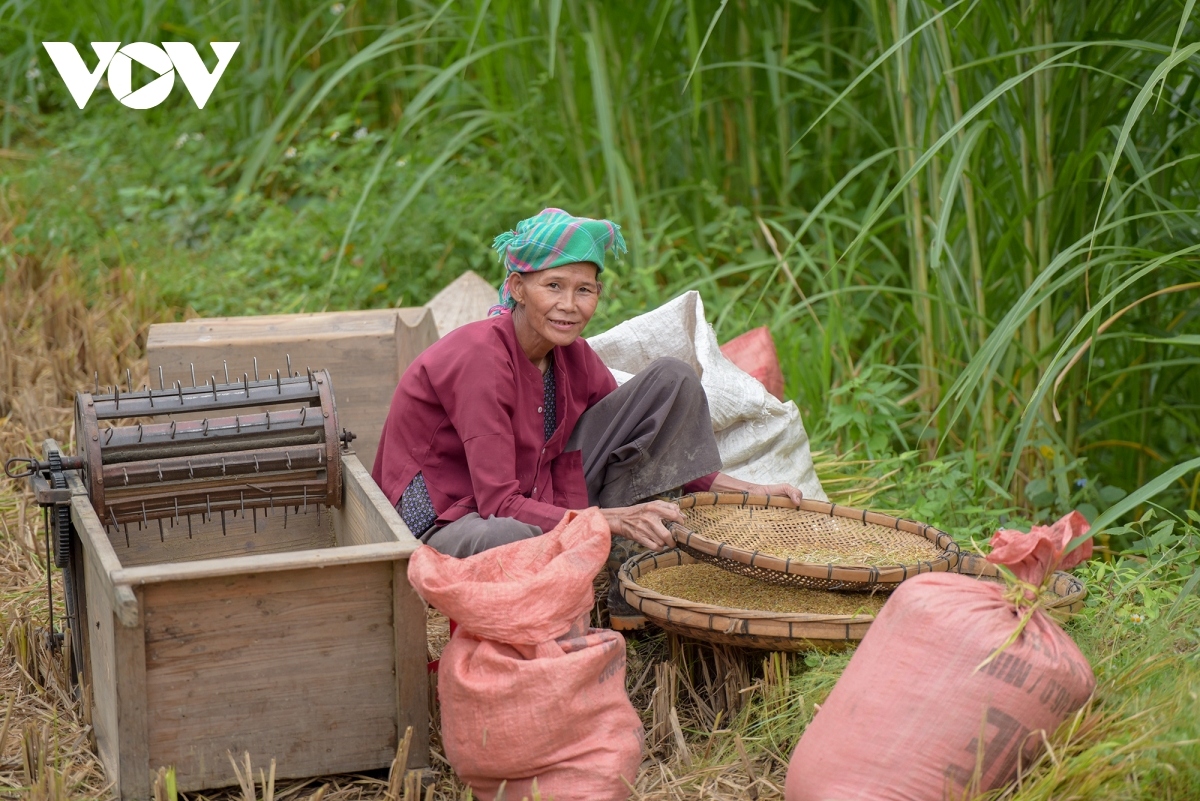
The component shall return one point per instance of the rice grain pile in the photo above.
(809, 536)
(708, 584)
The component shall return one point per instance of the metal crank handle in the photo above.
(10, 467)
(33, 466)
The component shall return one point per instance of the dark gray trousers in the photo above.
(649, 436)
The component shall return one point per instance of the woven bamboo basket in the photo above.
(721, 529)
(1068, 591)
(747, 628)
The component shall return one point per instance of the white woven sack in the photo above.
(761, 439)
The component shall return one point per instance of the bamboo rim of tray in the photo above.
(747, 628)
(1069, 591)
(786, 570)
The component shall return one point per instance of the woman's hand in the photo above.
(643, 523)
(724, 483)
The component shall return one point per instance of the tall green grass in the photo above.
(971, 226)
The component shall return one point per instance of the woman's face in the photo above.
(553, 306)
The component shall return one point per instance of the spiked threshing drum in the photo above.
(210, 450)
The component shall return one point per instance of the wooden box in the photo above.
(365, 353)
(293, 635)
(464, 300)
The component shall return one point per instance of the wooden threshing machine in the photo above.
(235, 582)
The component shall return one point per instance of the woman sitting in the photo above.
(502, 426)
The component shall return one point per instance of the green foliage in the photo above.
(970, 226)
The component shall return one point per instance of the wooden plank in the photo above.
(102, 660)
(365, 352)
(131, 701)
(366, 516)
(277, 531)
(416, 331)
(81, 633)
(116, 656)
(261, 563)
(97, 548)
(464, 300)
(295, 666)
(88, 525)
(411, 669)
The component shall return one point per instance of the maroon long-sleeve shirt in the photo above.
(468, 415)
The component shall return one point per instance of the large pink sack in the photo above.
(528, 691)
(906, 719)
(754, 352)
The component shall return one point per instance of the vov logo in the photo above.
(172, 57)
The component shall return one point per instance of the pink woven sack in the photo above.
(754, 352)
(916, 718)
(528, 692)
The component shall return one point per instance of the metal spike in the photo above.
(108, 435)
(278, 383)
(222, 465)
(254, 517)
(150, 394)
(161, 384)
(214, 388)
(189, 517)
(139, 432)
(126, 535)
(97, 382)
(268, 419)
(289, 364)
(303, 414)
(246, 381)
(160, 531)
(255, 368)
(172, 429)
(192, 366)
(285, 513)
(117, 396)
(237, 420)
(160, 477)
(204, 429)
(126, 473)
(318, 515)
(176, 520)
(223, 523)
(310, 377)
(242, 495)
(191, 472)
(305, 499)
(144, 520)
(179, 386)
(288, 454)
(256, 468)
(226, 370)
(208, 506)
(128, 380)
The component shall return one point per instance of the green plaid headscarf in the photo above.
(553, 238)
